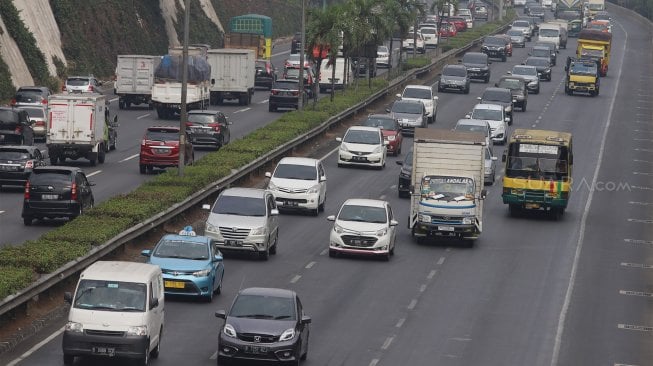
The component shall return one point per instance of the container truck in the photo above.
(166, 91)
(595, 45)
(250, 41)
(134, 79)
(447, 185)
(232, 75)
(78, 127)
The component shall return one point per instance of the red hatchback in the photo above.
(459, 22)
(160, 149)
(447, 30)
(389, 128)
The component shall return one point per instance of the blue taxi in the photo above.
(191, 266)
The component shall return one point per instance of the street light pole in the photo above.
(184, 91)
(300, 102)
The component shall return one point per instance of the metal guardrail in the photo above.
(47, 281)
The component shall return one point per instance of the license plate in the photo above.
(161, 151)
(107, 351)
(289, 203)
(256, 349)
(233, 243)
(69, 152)
(446, 228)
(359, 158)
(173, 284)
(49, 196)
(531, 205)
(9, 167)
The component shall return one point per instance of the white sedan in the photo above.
(362, 145)
(363, 227)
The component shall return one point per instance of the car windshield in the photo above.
(595, 6)
(28, 96)
(240, 206)
(359, 213)
(591, 53)
(520, 70)
(497, 96)
(417, 93)
(471, 58)
(494, 41)
(77, 81)
(294, 73)
(263, 307)
(296, 171)
(454, 71)
(536, 61)
(362, 137)
(162, 135)
(541, 52)
(549, 32)
(286, 85)
(410, 108)
(103, 295)
(14, 155)
(515, 33)
(201, 118)
(487, 114)
(181, 249)
(8, 116)
(382, 49)
(583, 68)
(521, 24)
(472, 128)
(52, 178)
(34, 112)
(447, 188)
(428, 30)
(510, 84)
(382, 123)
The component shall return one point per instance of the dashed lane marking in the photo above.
(387, 342)
(1, 212)
(112, 100)
(93, 173)
(635, 293)
(374, 362)
(263, 101)
(412, 304)
(400, 323)
(422, 288)
(143, 116)
(640, 203)
(640, 328)
(643, 161)
(242, 110)
(639, 241)
(431, 274)
(36, 347)
(214, 356)
(440, 261)
(295, 279)
(641, 221)
(324, 252)
(636, 265)
(643, 150)
(310, 265)
(642, 173)
(129, 158)
(642, 188)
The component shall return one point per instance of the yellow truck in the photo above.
(595, 45)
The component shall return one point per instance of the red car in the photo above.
(459, 22)
(160, 149)
(447, 30)
(389, 128)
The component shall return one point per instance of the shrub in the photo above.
(13, 279)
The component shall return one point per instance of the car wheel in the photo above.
(272, 108)
(68, 359)
(27, 220)
(333, 253)
(53, 160)
(467, 90)
(304, 355)
(264, 255)
(145, 360)
(273, 248)
(157, 349)
(504, 58)
(523, 106)
(538, 90)
(209, 298)
(142, 168)
(487, 79)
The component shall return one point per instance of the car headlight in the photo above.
(74, 327)
(140, 330)
(378, 150)
(202, 273)
(467, 220)
(314, 189)
(229, 331)
(272, 186)
(287, 334)
(424, 218)
(212, 228)
(391, 138)
(382, 232)
(571, 84)
(344, 148)
(259, 231)
(337, 228)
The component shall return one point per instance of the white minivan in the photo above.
(117, 311)
(549, 32)
(342, 75)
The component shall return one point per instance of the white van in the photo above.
(342, 76)
(549, 32)
(117, 311)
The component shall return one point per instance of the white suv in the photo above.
(424, 94)
(414, 41)
(495, 115)
(298, 184)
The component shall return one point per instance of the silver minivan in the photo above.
(244, 220)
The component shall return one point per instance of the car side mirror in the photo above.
(68, 297)
(394, 222)
(503, 158)
(468, 116)
(496, 85)
(268, 175)
(212, 81)
(507, 119)
(217, 258)
(387, 110)
(494, 158)
(398, 95)
(154, 303)
(323, 178)
(478, 98)
(221, 314)
(436, 98)
(274, 212)
(339, 139)
(206, 207)
(483, 193)
(146, 253)
(306, 319)
(331, 218)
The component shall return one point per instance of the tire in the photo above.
(145, 360)
(121, 104)
(160, 112)
(523, 107)
(115, 143)
(68, 359)
(142, 168)
(273, 248)
(27, 220)
(514, 210)
(439, 88)
(538, 90)
(487, 79)
(504, 58)
(321, 205)
(333, 253)
(264, 255)
(54, 159)
(467, 90)
(272, 108)
(101, 155)
(157, 350)
(209, 298)
(316, 211)
(93, 162)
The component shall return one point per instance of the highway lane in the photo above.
(496, 304)
(119, 174)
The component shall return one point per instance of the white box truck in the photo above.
(134, 79)
(166, 91)
(334, 76)
(549, 32)
(447, 185)
(77, 128)
(232, 75)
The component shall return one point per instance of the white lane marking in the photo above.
(583, 222)
(643, 161)
(639, 241)
(112, 100)
(242, 110)
(36, 347)
(623, 364)
(394, 186)
(324, 252)
(263, 101)
(636, 265)
(280, 53)
(310, 265)
(635, 293)
(640, 203)
(374, 362)
(644, 150)
(387, 343)
(382, 197)
(214, 356)
(461, 339)
(640, 328)
(412, 304)
(648, 131)
(400, 323)
(641, 221)
(295, 279)
(129, 158)
(647, 140)
(642, 188)
(143, 116)
(440, 261)
(431, 274)
(93, 173)
(329, 153)
(422, 288)
(1, 212)
(642, 173)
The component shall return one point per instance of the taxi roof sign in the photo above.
(187, 231)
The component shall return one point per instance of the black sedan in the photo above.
(264, 324)
(17, 163)
(208, 128)
(543, 66)
(285, 94)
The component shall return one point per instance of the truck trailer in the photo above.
(134, 79)
(232, 75)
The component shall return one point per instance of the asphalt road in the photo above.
(531, 292)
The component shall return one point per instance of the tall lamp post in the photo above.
(300, 102)
(184, 91)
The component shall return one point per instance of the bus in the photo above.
(538, 166)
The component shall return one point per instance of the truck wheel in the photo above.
(160, 112)
(53, 159)
(514, 210)
(68, 359)
(272, 108)
(523, 107)
(93, 161)
(101, 155)
(121, 104)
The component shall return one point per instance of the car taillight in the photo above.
(90, 88)
(63, 88)
(295, 93)
(143, 142)
(29, 164)
(73, 192)
(19, 129)
(188, 124)
(44, 101)
(215, 126)
(27, 190)
(13, 101)
(274, 92)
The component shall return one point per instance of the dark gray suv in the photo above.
(478, 66)
(454, 77)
